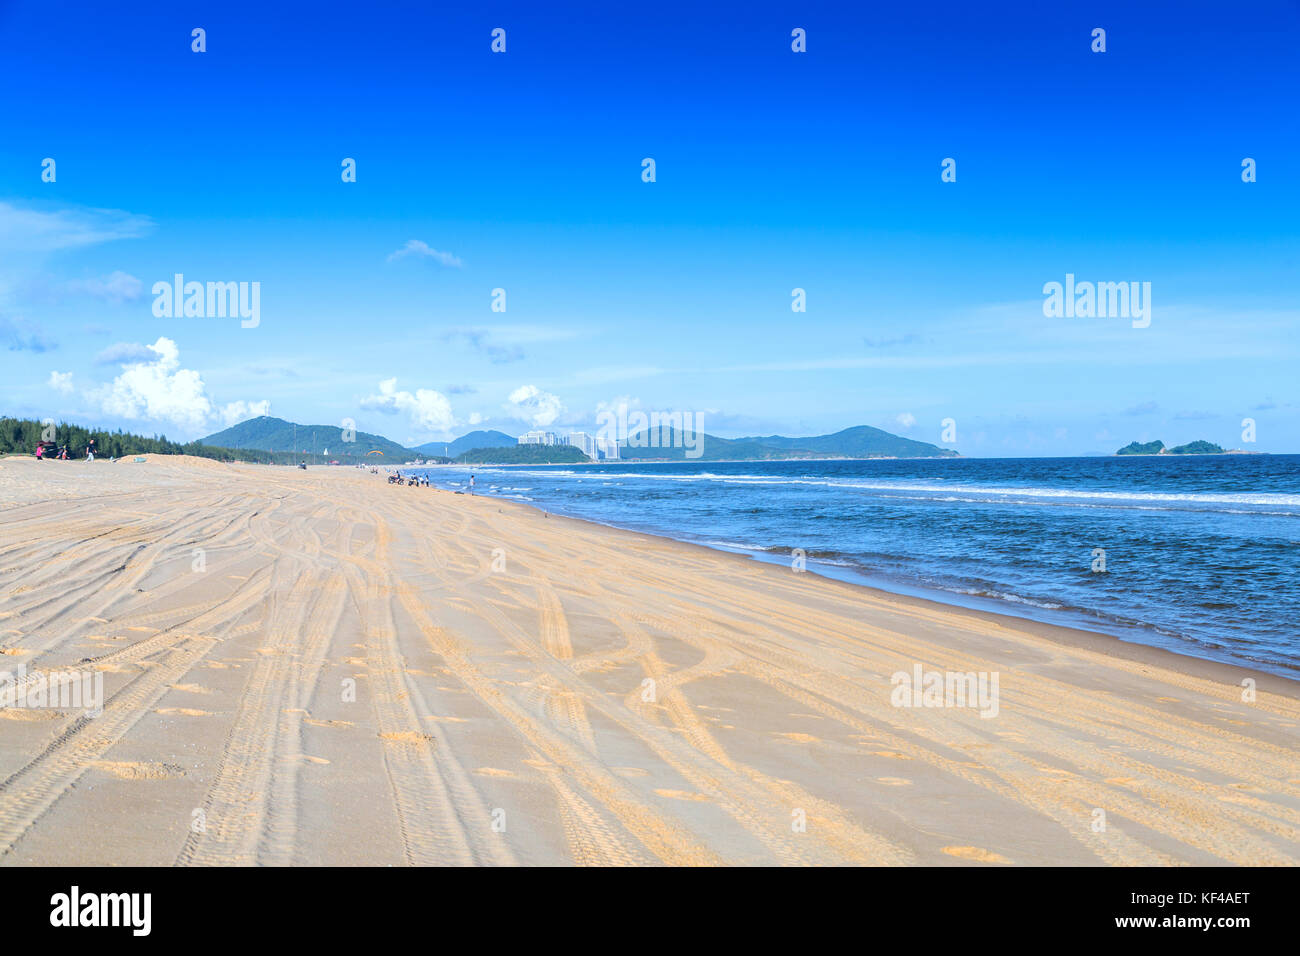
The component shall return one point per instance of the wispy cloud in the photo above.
(1142, 408)
(117, 287)
(20, 335)
(40, 230)
(481, 341)
(124, 352)
(415, 247)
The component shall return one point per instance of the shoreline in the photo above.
(938, 597)
(1098, 641)
(337, 671)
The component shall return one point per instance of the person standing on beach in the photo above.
(90, 450)
(471, 486)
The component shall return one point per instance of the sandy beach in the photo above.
(321, 668)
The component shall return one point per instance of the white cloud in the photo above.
(124, 352)
(414, 247)
(34, 230)
(117, 287)
(156, 388)
(426, 408)
(61, 381)
(906, 419)
(241, 411)
(531, 404)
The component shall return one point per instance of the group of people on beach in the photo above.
(48, 449)
(418, 481)
(415, 481)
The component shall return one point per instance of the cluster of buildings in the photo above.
(595, 448)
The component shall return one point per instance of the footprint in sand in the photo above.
(327, 723)
(183, 711)
(683, 795)
(975, 853)
(191, 688)
(137, 770)
(308, 758)
(13, 651)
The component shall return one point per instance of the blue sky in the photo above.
(774, 170)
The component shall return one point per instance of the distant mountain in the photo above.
(1158, 448)
(275, 434)
(479, 439)
(861, 441)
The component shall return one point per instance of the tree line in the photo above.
(19, 436)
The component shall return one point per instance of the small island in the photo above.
(1158, 448)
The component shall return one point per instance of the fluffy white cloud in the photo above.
(116, 287)
(61, 382)
(414, 247)
(531, 404)
(241, 411)
(426, 408)
(156, 388)
(906, 419)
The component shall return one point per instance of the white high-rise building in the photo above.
(584, 441)
(607, 449)
(539, 438)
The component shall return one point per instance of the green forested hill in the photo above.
(275, 434)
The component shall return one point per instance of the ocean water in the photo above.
(1200, 552)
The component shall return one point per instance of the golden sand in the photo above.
(374, 692)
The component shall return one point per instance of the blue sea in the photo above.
(1200, 552)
